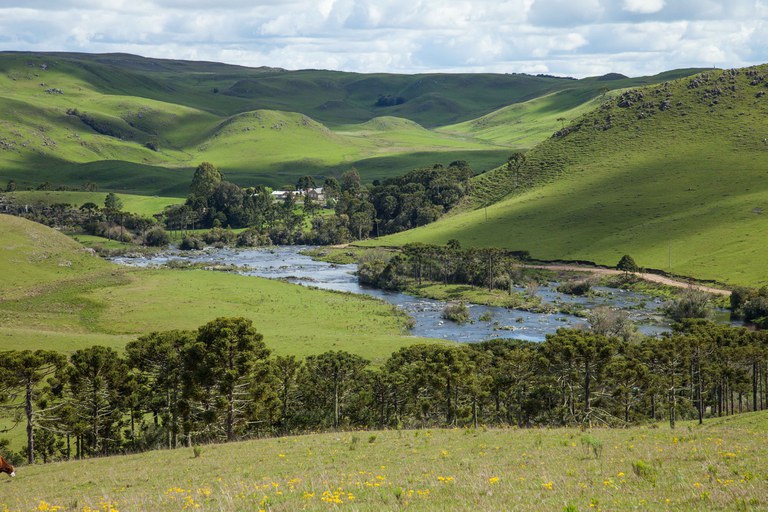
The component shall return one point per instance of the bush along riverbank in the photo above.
(496, 277)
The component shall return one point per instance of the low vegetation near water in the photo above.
(718, 466)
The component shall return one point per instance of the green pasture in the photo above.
(58, 296)
(99, 242)
(140, 205)
(33, 257)
(258, 125)
(110, 310)
(717, 466)
(277, 147)
(523, 125)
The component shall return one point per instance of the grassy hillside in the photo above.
(719, 466)
(523, 125)
(140, 125)
(57, 296)
(672, 174)
(276, 147)
(33, 257)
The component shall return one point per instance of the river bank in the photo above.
(292, 264)
(653, 285)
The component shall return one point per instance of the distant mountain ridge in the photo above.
(138, 124)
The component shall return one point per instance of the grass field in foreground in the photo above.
(719, 466)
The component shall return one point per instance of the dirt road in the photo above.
(643, 275)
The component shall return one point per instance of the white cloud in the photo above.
(565, 13)
(565, 37)
(643, 6)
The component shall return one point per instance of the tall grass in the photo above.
(715, 467)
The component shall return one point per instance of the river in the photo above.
(286, 263)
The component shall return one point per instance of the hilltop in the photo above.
(139, 125)
(673, 174)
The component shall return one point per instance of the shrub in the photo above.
(220, 236)
(456, 312)
(751, 305)
(380, 269)
(115, 233)
(190, 243)
(627, 264)
(592, 444)
(280, 235)
(645, 471)
(370, 266)
(692, 303)
(574, 287)
(156, 237)
(252, 238)
(740, 296)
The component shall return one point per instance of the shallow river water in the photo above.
(286, 263)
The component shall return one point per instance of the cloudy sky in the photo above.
(563, 37)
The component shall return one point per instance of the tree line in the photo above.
(396, 204)
(221, 383)
(108, 220)
(214, 203)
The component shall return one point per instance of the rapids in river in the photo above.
(487, 322)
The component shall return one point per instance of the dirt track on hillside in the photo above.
(643, 275)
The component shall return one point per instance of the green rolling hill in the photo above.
(672, 174)
(524, 124)
(139, 125)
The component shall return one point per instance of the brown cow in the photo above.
(5, 467)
